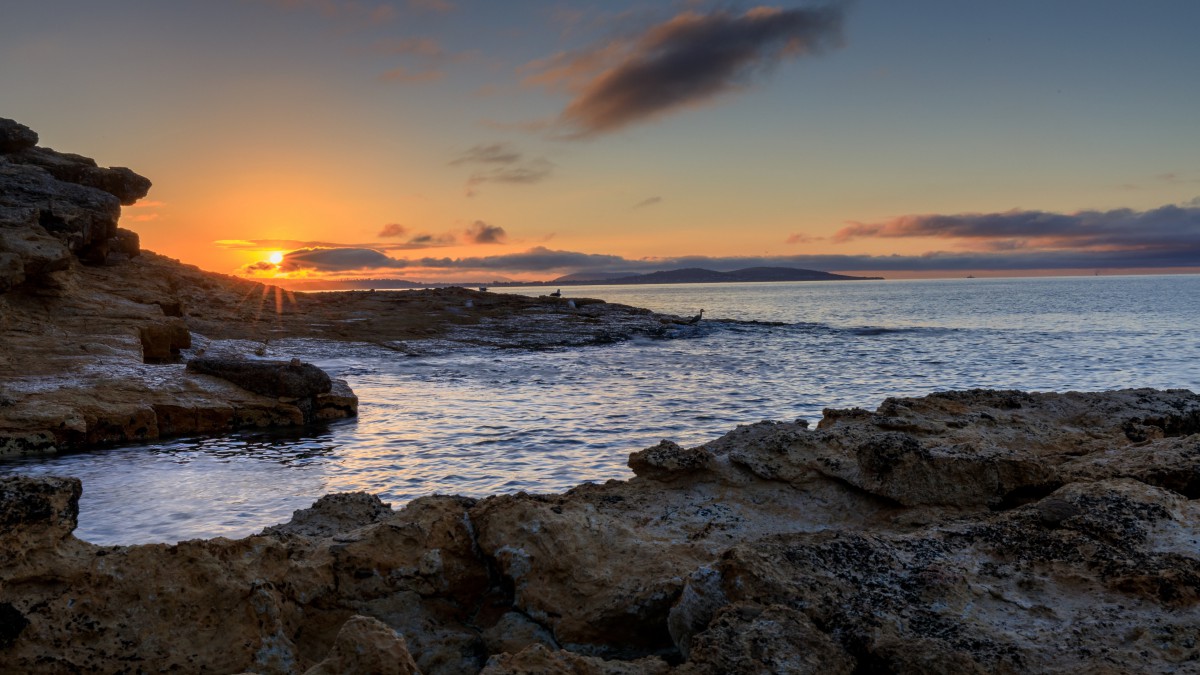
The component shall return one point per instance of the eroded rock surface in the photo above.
(773, 549)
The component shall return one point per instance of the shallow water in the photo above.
(487, 421)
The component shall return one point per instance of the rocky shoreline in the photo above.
(95, 331)
(977, 531)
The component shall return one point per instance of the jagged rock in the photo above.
(723, 569)
(366, 646)
(82, 217)
(120, 182)
(289, 379)
(668, 459)
(994, 593)
(15, 136)
(334, 514)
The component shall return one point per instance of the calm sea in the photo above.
(481, 422)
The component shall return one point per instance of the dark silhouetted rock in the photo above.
(15, 136)
(129, 243)
(269, 378)
(118, 181)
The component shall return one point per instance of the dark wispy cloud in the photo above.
(502, 163)
(425, 240)
(650, 201)
(393, 230)
(1167, 228)
(489, 153)
(687, 60)
(481, 233)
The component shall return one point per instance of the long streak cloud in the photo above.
(685, 61)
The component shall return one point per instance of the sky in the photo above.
(438, 140)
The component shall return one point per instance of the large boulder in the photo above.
(287, 379)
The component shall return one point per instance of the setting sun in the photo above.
(275, 258)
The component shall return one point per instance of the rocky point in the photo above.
(95, 331)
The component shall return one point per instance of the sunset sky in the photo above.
(454, 139)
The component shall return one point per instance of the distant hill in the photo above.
(689, 275)
(697, 275)
(588, 277)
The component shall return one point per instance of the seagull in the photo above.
(696, 319)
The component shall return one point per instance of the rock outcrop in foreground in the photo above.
(94, 330)
(93, 333)
(978, 531)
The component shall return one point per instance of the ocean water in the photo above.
(485, 421)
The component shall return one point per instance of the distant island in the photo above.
(688, 275)
(697, 275)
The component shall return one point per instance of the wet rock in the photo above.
(339, 402)
(289, 379)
